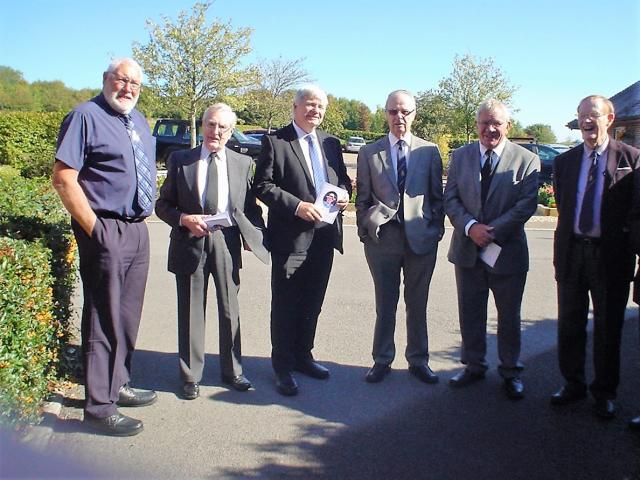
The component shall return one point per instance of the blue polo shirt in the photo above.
(94, 141)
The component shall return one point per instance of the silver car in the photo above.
(354, 144)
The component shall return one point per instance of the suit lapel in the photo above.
(234, 177)
(292, 138)
(416, 156)
(190, 170)
(385, 158)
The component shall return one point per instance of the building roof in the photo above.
(626, 104)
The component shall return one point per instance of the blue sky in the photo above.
(556, 52)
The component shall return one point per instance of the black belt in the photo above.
(121, 217)
(584, 240)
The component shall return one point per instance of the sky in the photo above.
(555, 51)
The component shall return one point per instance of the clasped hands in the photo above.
(481, 234)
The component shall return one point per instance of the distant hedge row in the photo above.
(37, 277)
(28, 141)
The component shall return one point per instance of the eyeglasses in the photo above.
(493, 124)
(394, 111)
(591, 116)
(122, 81)
(222, 129)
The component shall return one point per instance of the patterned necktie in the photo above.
(485, 177)
(211, 187)
(316, 164)
(585, 224)
(402, 168)
(143, 172)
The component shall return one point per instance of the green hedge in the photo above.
(28, 141)
(27, 329)
(31, 211)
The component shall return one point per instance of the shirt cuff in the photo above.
(468, 226)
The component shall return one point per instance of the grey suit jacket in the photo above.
(179, 194)
(511, 200)
(378, 198)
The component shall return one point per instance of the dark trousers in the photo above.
(298, 286)
(473, 286)
(221, 260)
(609, 297)
(114, 263)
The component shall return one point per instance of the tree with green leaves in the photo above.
(472, 81)
(15, 92)
(272, 100)
(190, 62)
(542, 133)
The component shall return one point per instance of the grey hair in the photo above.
(492, 105)
(116, 62)
(310, 91)
(220, 107)
(401, 92)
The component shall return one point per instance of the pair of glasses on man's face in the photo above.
(394, 111)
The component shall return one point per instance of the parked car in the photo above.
(547, 155)
(354, 144)
(173, 134)
(560, 147)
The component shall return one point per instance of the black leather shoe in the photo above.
(128, 397)
(239, 382)
(423, 373)
(312, 369)
(567, 395)
(286, 384)
(605, 408)
(464, 378)
(117, 425)
(634, 424)
(377, 372)
(514, 388)
(191, 390)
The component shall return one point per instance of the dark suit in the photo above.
(193, 258)
(391, 247)
(603, 268)
(301, 252)
(510, 202)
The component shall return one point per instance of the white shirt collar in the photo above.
(301, 133)
(393, 139)
(205, 152)
(498, 150)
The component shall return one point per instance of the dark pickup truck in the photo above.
(172, 135)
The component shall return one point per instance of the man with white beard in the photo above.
(105, 174)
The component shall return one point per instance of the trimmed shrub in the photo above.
(30, 210)
(27, 330)
(28, 141)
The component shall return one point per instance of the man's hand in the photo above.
(481, 234)
(307, 211)
(195, 225)
(342, 204)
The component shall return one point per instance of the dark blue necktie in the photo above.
(402, 168)
(485, 177)
(585, 223)
(143, 172)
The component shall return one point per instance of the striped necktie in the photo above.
(143, 171)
